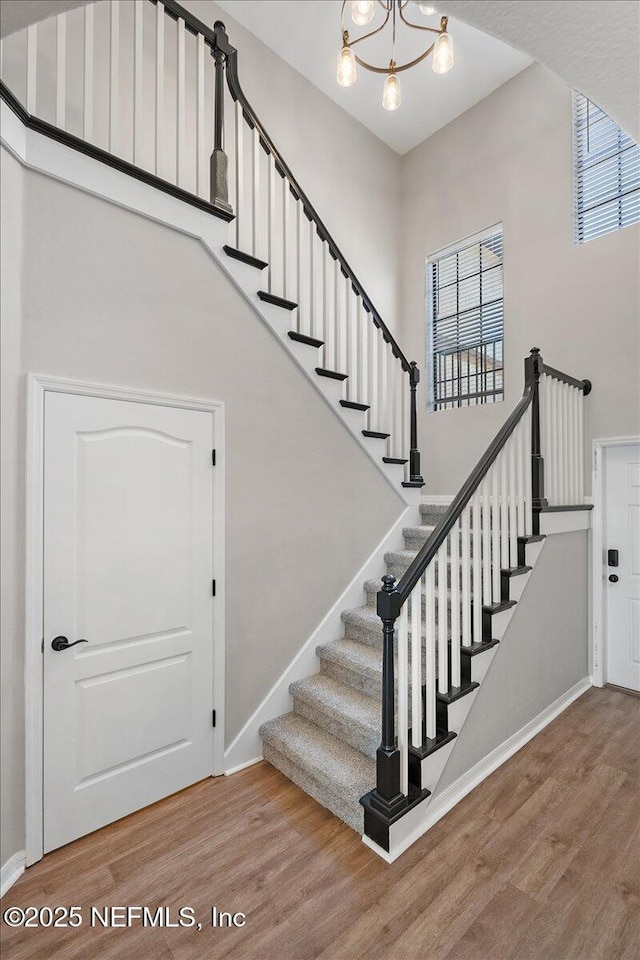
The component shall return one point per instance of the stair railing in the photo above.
(148, 88)
(442, 606)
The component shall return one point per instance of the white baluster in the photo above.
(114, 77)
(383, 418)
(443, 666)
(476, 584)
(159, 153)
(338, 324)
(201, 159)
(528, 513)
(363, 328)
(416, 664)
(565, 444)
(286, 207)
(511, 487)
(61, 70)
(373, 370)
(554, 464)
(181, 108)
(494, 475)
(328, 352)
(88, 67)
(313, 332)
(454, 540)
(300, 224)
(573, 394)
(271, 222)
(32, 67)
(580, 435)
(255, 190)
(403, 716)
(486, 541)
(430, 651)
(239, 151)
(138, 64)
(545, 430)
(521, 459)
(504, 511)
(465, 586)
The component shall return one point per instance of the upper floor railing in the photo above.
(151, 90)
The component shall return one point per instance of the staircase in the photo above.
(327, 744)
(368, 735)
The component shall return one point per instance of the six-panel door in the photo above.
(128, 566)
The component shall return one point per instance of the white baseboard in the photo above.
(11, 871)
(242, 766)
(443, 802)
(247, 746)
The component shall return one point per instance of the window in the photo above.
(465, 341)
(606, 173)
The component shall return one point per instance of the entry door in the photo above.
(128, 558)
(622, 489)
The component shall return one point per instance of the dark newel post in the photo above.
(387, 797)
(415, 476)
(533, 369)
(219, 181)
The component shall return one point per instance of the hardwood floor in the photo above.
(541, 861)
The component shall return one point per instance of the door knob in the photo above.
(61, 643)
(613, 578)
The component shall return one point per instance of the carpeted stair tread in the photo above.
(340, 710)
(329, 770)
(358, 665)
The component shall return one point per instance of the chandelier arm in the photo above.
(396, 68)
(365, 36)
(416, 26)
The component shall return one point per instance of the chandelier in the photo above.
(362, 13)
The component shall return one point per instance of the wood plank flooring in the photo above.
(541, 861)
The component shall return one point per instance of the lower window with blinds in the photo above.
(465, 341)
(606, 173)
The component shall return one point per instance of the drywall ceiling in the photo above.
(306, 33)
(591, 46)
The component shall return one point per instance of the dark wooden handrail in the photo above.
(584, 385)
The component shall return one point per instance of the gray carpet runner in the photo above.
(327, 744)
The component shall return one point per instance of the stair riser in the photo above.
(369, 682)
(431, 515)
(365, 739)
(344, 808)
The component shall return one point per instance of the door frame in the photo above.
(599, 538)
(37, 387)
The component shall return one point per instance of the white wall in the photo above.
(543, 653)
(110, 297)
(509, 159)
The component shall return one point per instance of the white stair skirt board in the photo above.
(56, 160)
(410, 828)
(11, 871)
(247, 746)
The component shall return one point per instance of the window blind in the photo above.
(606, 173)
(466, 324)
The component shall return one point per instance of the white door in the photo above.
(128, 567)
(622, 526)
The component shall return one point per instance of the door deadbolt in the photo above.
(613, 578)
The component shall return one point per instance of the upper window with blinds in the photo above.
(606, 173)
(465, 323)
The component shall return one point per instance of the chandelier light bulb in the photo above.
(427, 9)
(391, 95)
(362, 12)
(443, 54)
(346, 67)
